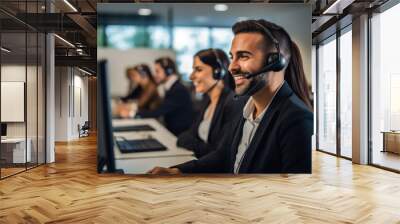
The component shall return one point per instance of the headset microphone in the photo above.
(211, 87)
(275, 61)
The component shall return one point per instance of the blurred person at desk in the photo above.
(176, 107)
(210, 77)
(143, 97)
(273, 133)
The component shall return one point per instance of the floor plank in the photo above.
(70, 191)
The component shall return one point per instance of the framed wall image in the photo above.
(12, 101)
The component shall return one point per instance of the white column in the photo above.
(50, 92)
(50, 110)
(360, 90)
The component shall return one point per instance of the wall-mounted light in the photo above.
(64, 40)
(220, 7)
(144, 12)
(5, 50)
(70, 5)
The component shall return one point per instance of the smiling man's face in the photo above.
(247, 56)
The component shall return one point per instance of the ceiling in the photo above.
(80, 27)
(76, 26)
(192, 14)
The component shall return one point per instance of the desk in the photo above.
(17, 150)
(391, 141)
(141, 162)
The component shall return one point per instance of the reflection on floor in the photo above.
(10, 169)
(387, 159)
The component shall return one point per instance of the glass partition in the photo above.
(22, 89)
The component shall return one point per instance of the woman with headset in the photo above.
(176, 107)
(210, 77)
(145, 94)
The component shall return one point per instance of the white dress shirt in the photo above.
(165, 87)
(249, 128)
(204, 127)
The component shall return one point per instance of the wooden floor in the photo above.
(70, 191)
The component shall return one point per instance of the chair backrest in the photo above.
(86, 125)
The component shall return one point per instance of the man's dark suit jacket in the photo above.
(176, 109)
(224, 114)
(281, 144)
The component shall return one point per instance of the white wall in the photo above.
(70, 84)
(33, 126)
(16, 73)
(120, 60)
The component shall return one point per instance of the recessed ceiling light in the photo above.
(144, 12)
(220, 7)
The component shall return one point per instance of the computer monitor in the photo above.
(3, 129)
(105, 142)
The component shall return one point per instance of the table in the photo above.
(391, 141)
(141, 162)
(17, 150)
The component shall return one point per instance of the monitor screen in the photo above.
(3, 129)
(105, 142)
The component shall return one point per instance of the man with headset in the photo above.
(176, 108)
(273, 134)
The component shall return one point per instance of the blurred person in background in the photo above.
(144, 96)
(176, 109)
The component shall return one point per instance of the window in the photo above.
(327, 96)
(346, 93)
(187, 41)
(125, 37)
(385, 88)
(222, 38)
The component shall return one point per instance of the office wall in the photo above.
(12, 73)
(120, 60)
(71, 102)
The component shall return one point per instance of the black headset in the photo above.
(141, 70)
(167, 66)
(219, 72)
(275, 61)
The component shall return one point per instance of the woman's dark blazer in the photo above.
(223, 114)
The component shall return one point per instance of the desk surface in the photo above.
(13, 140)
(160, 133)
(390, 132)
(141, 162)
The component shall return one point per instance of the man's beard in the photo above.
(245, 88)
